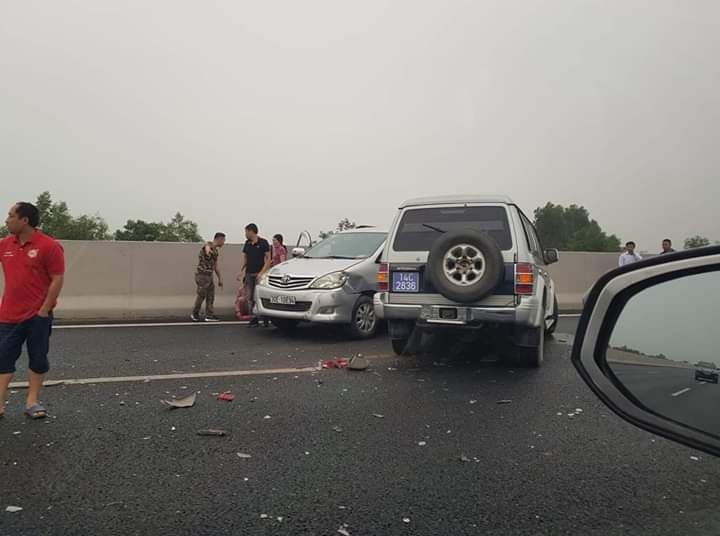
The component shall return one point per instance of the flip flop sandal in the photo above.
(36, 411)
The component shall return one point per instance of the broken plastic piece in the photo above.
(227, 396)
(464, 458)
(343, 531)
(187, 402)
(504, 401)
(212, 433)
(244, 456)
(378, 415)
(13, 509)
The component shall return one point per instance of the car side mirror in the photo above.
(551, 256)
(647, 345)
(298, 252)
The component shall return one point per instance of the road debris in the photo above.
(187, 402)
(267, 417)
(264, 516)
(13, 509)
(212, 433)
(472, 402)
(464, 458)
(406, 520)
(337, 429)
(338, 362)
(358, 363)
(244, 456)
(227, 396)
(504, 402)
(378, 415)
(694, 458)
(422, 443)
(343, 531)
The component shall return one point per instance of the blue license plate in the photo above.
(406, 281)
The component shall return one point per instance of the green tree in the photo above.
(343, 225)
(57, 221)
(572, 229)
(696, 241)
(178, 229)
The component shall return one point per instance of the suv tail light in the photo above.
(524, 279)
(383, 277)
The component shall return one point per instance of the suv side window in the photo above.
(535, 247)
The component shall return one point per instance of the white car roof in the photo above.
(365, 229)
(458, 200)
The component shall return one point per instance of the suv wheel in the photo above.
(530, 356)
(364, 323)
(399, 346)
(552, 322)
(465, 266)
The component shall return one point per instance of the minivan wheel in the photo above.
(364, 323)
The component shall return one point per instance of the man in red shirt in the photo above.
(33, 265)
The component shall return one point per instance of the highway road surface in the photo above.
(674, 393)
(451, 442)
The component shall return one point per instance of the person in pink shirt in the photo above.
(279, 251)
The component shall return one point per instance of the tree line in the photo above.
(57, 221)
(566, 228)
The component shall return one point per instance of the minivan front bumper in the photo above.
(527, 313)
(311, 305)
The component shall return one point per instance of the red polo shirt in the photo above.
(27, 269)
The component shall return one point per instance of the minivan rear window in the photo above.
(419, 228)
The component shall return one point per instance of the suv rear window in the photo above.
(419, 228)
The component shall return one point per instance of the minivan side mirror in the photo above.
(298, 252)
(551, 256)
(647, 345)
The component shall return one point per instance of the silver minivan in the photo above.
(333, 283)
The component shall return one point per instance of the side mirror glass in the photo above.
(665, 350)
(551, 256)
(298, 252)
(648, 345)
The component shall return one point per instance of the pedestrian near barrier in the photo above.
(629, 256)
(33, 266)
(667, 247)
(256, 260)
(205, 278)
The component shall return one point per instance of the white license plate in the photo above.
(283, 300)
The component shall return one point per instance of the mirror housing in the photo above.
(551, 256)
(298, 252)
(602, 356)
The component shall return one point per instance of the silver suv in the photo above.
(468, 262)
(332, 283)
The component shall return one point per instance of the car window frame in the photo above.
(536, 248)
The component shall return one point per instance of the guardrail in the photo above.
(118, 281)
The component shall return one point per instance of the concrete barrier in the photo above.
(117, 281)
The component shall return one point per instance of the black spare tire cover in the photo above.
(465, 266)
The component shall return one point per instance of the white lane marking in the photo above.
(179, 376)
(150, 325)
(571, 315)
(681, 392)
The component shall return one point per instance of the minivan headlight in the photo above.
(330, 281)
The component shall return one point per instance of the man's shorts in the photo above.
(36, 334)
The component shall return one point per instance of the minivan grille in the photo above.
(289, 282)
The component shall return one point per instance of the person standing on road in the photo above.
(205, 278)
(34, 266)
(256, 260)
(629, 256)
(279, 251)
(667, 247)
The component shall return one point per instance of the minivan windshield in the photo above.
(347, 246)
(419, 228)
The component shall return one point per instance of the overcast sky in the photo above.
(297, 114)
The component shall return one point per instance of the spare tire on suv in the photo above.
(465, 266)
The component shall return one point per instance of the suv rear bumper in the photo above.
(528, 313)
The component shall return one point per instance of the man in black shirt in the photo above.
(667, 246)
(255, 262)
